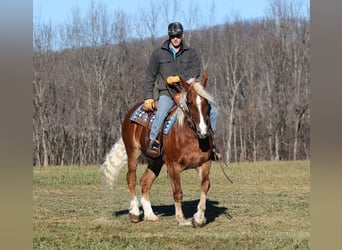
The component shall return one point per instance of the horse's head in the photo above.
(196, 105)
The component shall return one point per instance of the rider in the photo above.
(172, 60)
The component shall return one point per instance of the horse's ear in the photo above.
(204, 78)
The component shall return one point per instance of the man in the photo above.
(172, 60)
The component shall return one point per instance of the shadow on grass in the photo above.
(189, 208)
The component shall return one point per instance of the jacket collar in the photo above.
(165, 45)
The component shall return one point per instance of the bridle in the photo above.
(188, 115)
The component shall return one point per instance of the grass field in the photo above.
(267, 207)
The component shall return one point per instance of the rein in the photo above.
(224, 172)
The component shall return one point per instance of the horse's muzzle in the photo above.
(202, 134)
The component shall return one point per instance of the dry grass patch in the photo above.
(267, 207)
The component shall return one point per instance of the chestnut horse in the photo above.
(188, 145)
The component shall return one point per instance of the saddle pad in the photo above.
(141, 117)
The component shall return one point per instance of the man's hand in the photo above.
(149, 104)
(172, 79)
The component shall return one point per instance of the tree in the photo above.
(88, 72)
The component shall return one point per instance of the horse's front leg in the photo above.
(199, 217)
(174, 177)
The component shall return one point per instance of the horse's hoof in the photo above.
(134, 218)
(152, 218)
(196, 224)
(184, 223)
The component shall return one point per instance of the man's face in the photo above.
(176, 40)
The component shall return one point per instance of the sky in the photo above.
(59, 11)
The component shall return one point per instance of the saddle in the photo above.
(146, 118)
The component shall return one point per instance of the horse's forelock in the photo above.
(191, 80)
(200, 89)
(202, 92)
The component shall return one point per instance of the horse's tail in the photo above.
(114, 161)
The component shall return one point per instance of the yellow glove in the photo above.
(148, 104)
(172, 79)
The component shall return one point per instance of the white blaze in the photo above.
(202, 126)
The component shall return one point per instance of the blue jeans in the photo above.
(213, 117)
(165, 103)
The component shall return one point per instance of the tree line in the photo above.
(259, 74)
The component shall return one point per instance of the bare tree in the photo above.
(88, 72)
(233, 76)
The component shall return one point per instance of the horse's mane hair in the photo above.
(200, 91)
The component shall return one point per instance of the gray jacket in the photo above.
(163, 64)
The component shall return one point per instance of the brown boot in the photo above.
(153, 149)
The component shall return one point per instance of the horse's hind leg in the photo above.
(199, 219)
(150, 174)
(131, 178)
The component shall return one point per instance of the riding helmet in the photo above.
(175, 29)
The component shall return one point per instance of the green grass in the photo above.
(267, 207)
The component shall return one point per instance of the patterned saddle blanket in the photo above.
(145, 119)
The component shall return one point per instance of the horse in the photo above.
(188, 146)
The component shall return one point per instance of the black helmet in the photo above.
(175, 29)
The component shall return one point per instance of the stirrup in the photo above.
(153, 149)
